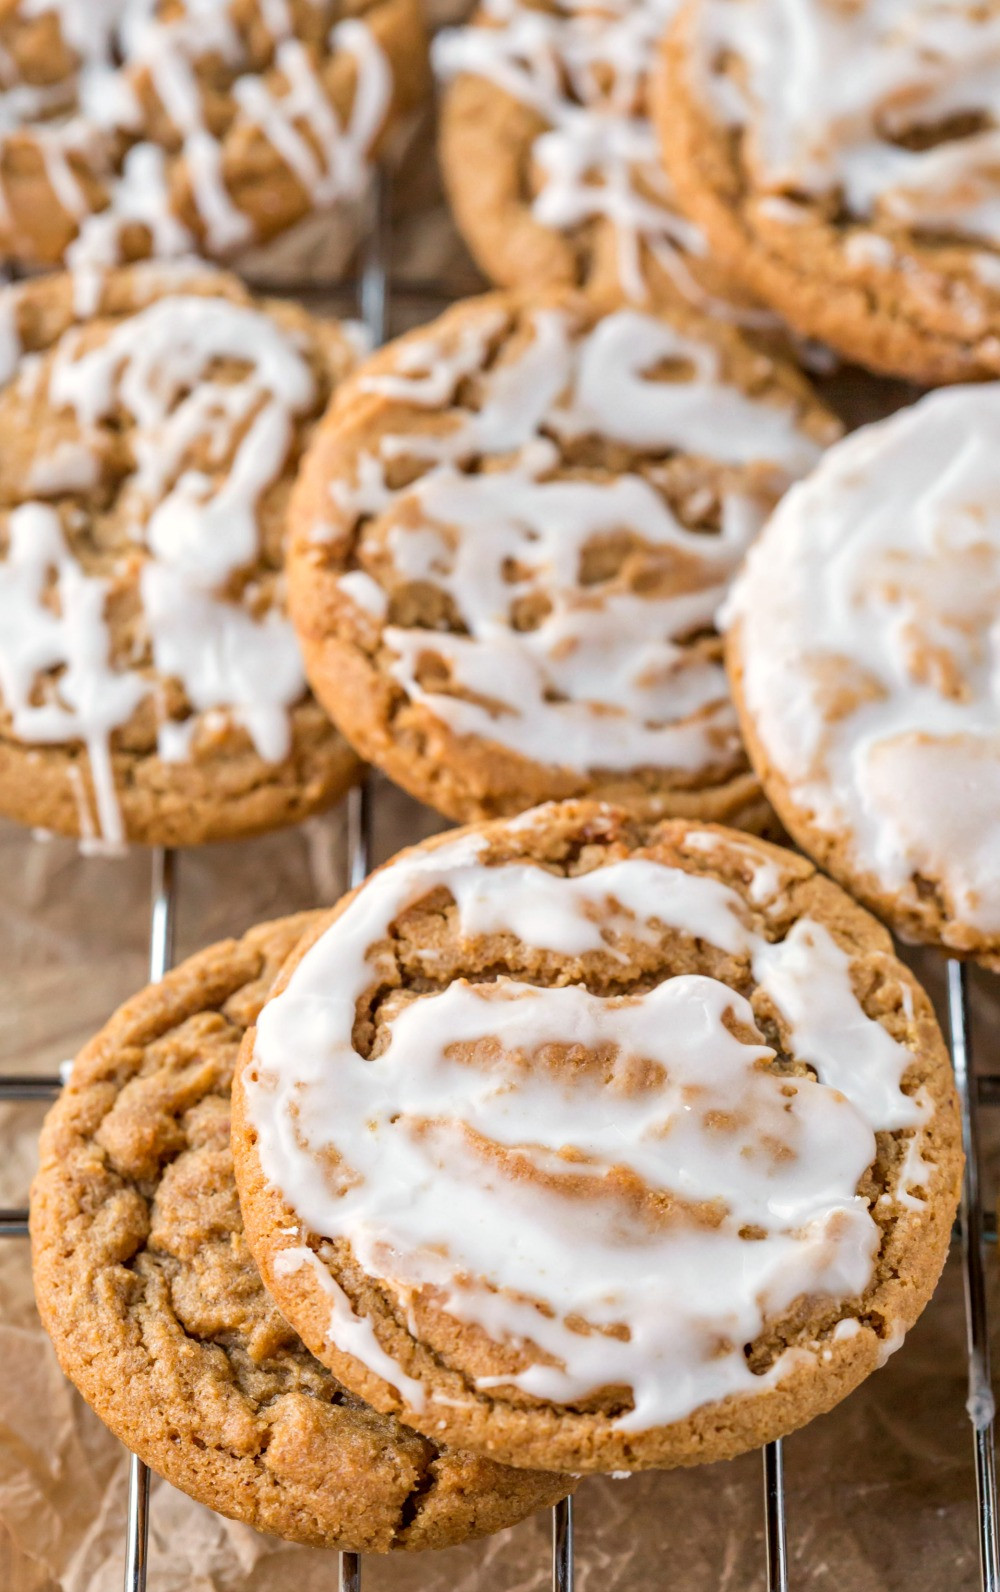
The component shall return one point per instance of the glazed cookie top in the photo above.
(866, 139)
(587, 1144)
(586, 201)
(158, 1314)
(865, 655)
(160, 126)
(511, 536)
(148, 454)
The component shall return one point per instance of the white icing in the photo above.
(52, 617)
(871, 650)
(116, 42)
(166, 368)
(351, 1332)
(826, 93)
(606, 678)
(583, 70)
(484, 1157)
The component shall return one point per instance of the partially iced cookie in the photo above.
(151, 686)
(596, 1147)
(509, 540)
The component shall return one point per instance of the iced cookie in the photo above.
(550, 158)
(151, 687)
(509, 541)
(158, 1314)
(864, 660)
(141, 127)
(843, 161)
(598, 1148)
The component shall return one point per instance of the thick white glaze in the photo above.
(606, 678)
(827, 93)
(870, 648)
(118, 43)
(545, 1155)
(162, 366)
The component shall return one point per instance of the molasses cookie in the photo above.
(844, 163)
(863, 650)
(168, 126)
(151, 687)
(509, 541)
(595, 1147)
(550, 158)
(158, 1314)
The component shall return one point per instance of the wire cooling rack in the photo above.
(974, 1228)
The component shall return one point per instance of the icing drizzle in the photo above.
(871, 651)
(583, 67)
(123, 49)
(204, 448)
(619, 1187)
(894, 105)
(548, 656)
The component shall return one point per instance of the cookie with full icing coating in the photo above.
(550, 158)
(158, 1314)
(509, 539)
(863, 647)
(598, 1147)
(165, 127)
(842, 160)
(151, 687)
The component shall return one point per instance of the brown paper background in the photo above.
(880, 1493)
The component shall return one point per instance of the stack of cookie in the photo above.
(595, 1135)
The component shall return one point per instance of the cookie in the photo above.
(595, 1147)
(509, 540)
(862, 646)
(550, 158)
(153, 127)
(842, 161)
(158, 1314)
(151, 686)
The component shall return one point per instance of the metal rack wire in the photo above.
(975, 1226)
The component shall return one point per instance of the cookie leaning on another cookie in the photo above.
(550, 159)
(151, 686)
(597, 1147)
(158, 1314)
(162, 127)
(509, 539)
(843, 160)
(863, 655)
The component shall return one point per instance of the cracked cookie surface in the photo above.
(158, 1314)
(598, 1146)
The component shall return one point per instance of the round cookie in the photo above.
(842, 160)
(158, 1314)
(169, 126)
(550, 158)
(598, 1147)
(508, 542)
(863, 656)
(151, 686)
